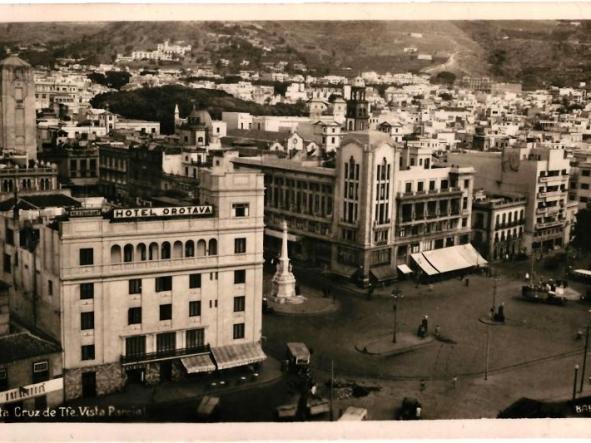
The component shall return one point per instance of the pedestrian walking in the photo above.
(467, 282)
(454, 382)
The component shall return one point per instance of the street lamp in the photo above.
(396, 296)
(575, 382)
(585, 356)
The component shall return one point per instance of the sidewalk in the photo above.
(137, 396)
(384, 346)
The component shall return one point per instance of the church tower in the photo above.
(357, 116)
(17, 108)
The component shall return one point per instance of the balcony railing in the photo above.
(428, 194)
(163, 355)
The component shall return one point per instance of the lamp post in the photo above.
(396, 296)
(585, 357)
(575, 382)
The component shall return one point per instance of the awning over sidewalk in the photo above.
(198, 363)
(453, 258)
(404, 269)
(424, 264)
(446, 259)
(232, 356)
(383, 273)
(278, 234)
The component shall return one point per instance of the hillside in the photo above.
(157, 104)
(535, 52)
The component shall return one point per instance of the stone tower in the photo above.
(17, 108)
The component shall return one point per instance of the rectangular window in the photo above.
(195, 338)
(3, 379)
(194, 281)
(86, 291)
(240, 276)
(238, 331)
(584, 185)
(166, 342)
(135, 286)
(86, 256)
(239, 303)
(194, 308)
(49, 287)
(134, 316)
(9, 236)
(240, 210)
(166, 312)
(466, 184)
(88, 352)
(87, 320)
(239, 245)
(135, 346)
(164, 283)
(585, 172)
(40, 371)
(7, 263)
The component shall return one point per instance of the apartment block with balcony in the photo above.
(498, 223)
(371, 211)
(541, 175)
(148, 294)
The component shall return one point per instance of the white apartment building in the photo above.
(541, 175)
(145, 294)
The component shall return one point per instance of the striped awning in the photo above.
(198, 363)
(232, 356)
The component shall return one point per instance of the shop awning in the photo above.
(198, 363)
(424, 264)
(404, 269)
(472, 255)
(447, 259)
(383, 273)
(279, 234)
(232, 356)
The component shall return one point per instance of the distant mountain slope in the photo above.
(535, 52)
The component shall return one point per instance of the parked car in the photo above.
(410, 409)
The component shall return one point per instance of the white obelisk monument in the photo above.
(284, 282)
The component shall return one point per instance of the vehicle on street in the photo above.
(208, 409)
(298, 356)
(354, 414)
(544, 294)
(410, 409)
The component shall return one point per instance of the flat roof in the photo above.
(22, 345)
(288, 165)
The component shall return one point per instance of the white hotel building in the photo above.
(146, 296)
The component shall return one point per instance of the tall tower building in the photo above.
(17, 108)
(357, 114)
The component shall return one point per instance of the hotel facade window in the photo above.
(238, 331)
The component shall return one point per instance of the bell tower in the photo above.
(17, 108)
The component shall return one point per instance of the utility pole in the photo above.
(331, 389)
(396, 295)
(575, 382)
(487, 352)
(584, 359)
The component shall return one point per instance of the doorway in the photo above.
(89, 384)
(166, 371)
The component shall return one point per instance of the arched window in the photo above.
(201, 245)
(128, 253)
(177, 249)
(141, 251)
(213, 247)
(165, 251)
(153, 251)
(189, 248)
(115, 254)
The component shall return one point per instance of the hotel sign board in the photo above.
(85, 212)
(30, 391)
(177, 211)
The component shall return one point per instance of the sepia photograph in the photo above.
(288, 218)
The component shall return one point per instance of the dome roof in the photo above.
(200, 117)
(359, 82)
(13, 60)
